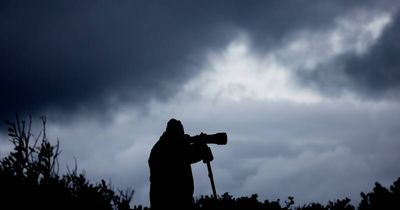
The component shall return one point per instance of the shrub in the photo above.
(29, 177)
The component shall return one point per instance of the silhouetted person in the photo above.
(171, 179)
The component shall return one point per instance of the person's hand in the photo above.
(206, 154)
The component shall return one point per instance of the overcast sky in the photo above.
(307, 91)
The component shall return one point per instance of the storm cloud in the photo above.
(378, 70)
(71, 56)
(372, 73)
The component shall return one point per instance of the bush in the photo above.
(382, 198)
(29, 177)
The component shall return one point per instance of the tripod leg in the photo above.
(210, 175)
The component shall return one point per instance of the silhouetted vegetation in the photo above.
(29, 179)
(380, 198)
(226, 201)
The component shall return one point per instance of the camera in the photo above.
(217, 138)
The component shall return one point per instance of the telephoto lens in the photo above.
(217, 138)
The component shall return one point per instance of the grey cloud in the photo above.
(69, 56)
(377, 72)
(318, 152)
(372, 75)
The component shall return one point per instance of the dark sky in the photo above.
(72, 55)
(305, 89)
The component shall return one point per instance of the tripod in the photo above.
(210, 175)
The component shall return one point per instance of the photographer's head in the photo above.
(175, 129)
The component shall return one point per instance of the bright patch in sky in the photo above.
(239, 74)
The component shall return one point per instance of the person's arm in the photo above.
(199, 152)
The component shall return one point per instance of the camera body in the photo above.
(217, 138)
